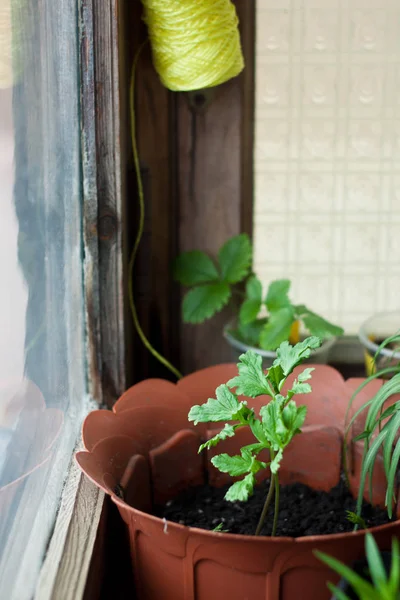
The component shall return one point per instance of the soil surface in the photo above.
(302, 510)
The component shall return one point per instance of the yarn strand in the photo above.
(139, 235)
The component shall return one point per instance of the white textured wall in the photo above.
(327, 153)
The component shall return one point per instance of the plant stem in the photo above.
(266, 506)
(276, 509)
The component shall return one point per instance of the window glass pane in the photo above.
(42, 376)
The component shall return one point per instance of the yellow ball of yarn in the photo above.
(195, 43)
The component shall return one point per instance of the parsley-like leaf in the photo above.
(276, 462)
(240, 491)
(202, 302)
(251, 380)
(277, 295)
(226, 407)
(235, 258)
(288, 357)
(192, 268)
(277, 328)
(227, 431)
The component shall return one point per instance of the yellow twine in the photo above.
(195, 43)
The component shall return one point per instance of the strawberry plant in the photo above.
(263, 320)
(273, 429)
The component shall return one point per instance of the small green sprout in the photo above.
(356, 519)
(382, 586)
(280, 420)
(220, 528)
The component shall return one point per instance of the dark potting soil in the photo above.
(302, 510)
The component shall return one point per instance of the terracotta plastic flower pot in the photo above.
(145, 452)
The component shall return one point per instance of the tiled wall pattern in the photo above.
(327, 153)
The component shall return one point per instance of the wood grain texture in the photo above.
(215, 178)
(65, 570)
(104, 231)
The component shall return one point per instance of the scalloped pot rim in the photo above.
(252, 538)
(184, 387)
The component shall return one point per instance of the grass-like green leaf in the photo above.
(192, 268)
(226, 407)
(251, 380)
(288, 357)
(241, 490)
(391, 478)
(277, 328)
(277, 295)
(235, 258)
(317, 325)
(369, 461)
(249, 311)
(375, 562)
(360, 585)
(227, 431)
(202, 302)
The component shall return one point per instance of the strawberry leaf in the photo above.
(317, 325)
(277, 328)
(192, 268)
(202, 302)
(235, 258)
(277, 295)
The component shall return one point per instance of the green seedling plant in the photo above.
(273, 429)
(380, 432)
(382, 586)
(263, 321)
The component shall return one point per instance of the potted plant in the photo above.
(261, 321)
(377, 577)
(145, 455)
(373, 333)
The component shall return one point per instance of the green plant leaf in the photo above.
(226, 407)
(375, 562)
(317, 325)
(277, 329)
(299, 386)
(227, 431)
(360, 585)
(288, 357)
(251, 380)
(293, 417)
(356, 519)
(250, 333)
(220, 528)
(276, 462)
(192, 268)
(249, 311)
(201, 303)
(277, 295)
(257, 430)
(254, 289)
(235, 258)
(241, 490)
(391, 478)
(237, 465)
(274, 427)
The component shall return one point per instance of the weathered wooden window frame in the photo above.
(66, 565)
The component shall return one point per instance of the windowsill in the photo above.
(65, 569)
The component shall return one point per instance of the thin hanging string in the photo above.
(195, 43)
(139, 234)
